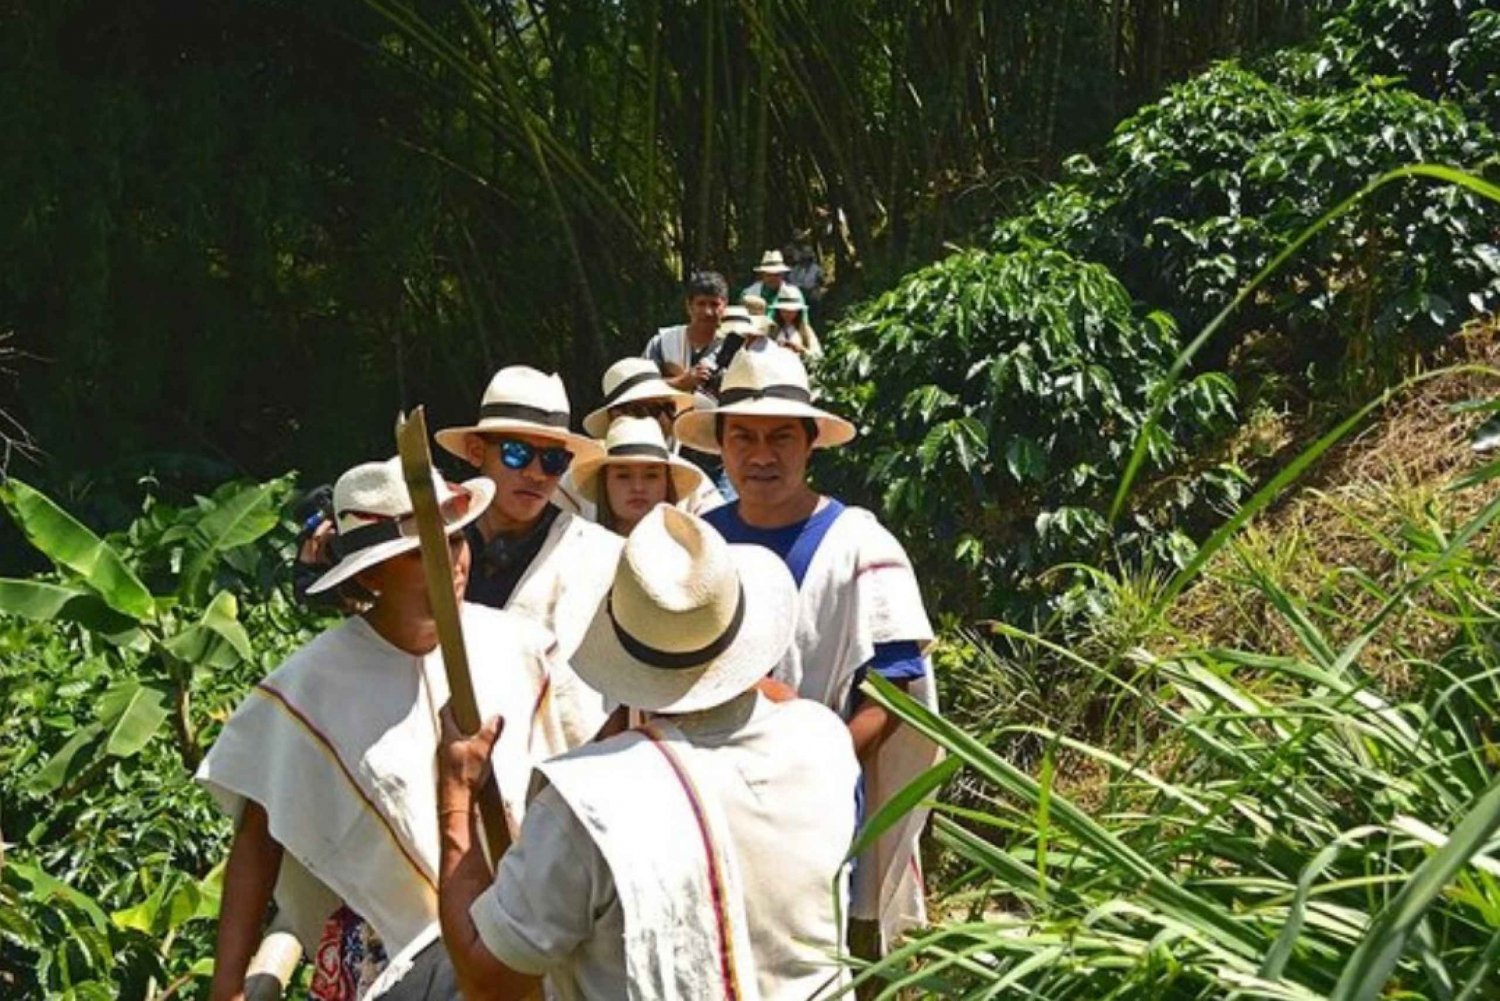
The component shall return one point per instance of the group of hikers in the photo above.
(666, 628)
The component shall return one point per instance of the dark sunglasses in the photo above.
(643, 408)
(517, 454)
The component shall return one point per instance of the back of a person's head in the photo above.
(706, 283)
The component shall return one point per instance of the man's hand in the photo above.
(463, 762)
(776, 691)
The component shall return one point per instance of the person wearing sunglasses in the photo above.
(529, 555)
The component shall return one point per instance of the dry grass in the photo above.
(1336, 545)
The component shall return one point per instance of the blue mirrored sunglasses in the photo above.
(517, 454)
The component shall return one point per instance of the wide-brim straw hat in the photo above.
(522, 400)
(635, 441)
(628, 381)
(772, 263)
(789, 296)
(690, 621)
(373, 521)
(769, 383)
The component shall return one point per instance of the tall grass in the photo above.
(1290, 826)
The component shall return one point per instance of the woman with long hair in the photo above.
(793, 330)
(636, 473)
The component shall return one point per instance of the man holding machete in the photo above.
(327, 765)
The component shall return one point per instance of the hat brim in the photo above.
(764, 636)
(481, 491)
(597, 421)
(452, 439)
(695, 429)
(772, 269)
(587, 475)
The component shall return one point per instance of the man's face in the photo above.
(401, 582)
(706, 310)
(521, 495)
(770, 281)
(765, 457)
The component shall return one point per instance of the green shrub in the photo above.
(1196, 193)
(1286, 827)
(117, 669)
(1000, 394)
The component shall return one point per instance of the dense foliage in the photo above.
(124, 662)
(285, 220)
(1000, 394)
(1193, 196)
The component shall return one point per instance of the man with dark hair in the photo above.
(683, 352)
(859, 607)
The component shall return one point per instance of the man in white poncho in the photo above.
(327, 766)
(694, 857)
(859, 607)
(530, 556)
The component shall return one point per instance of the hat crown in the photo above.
(771, 258)
(376, 491)
(627, 431)
(626, 369)
(757, 370)
(676, 589)
(524, 386)
(789, 296)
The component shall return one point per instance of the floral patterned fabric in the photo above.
(350, 956)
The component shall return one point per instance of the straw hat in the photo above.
(690, 621)
(635, 441)
(771, 263)
(373, 520)
(521, 400)
(737, 320)
(770, 383)
(789, 297)
(628, 381)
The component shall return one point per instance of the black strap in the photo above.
(348, 543)
(629, 384)
(521, 412)
(640, 448)
(740, 394)
(677, 661)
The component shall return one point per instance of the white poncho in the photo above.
(860, 590)
(338, 745)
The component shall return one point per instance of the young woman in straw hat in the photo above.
(636, 473)
(793, 330)
(327, 764)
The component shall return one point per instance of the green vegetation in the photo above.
(1234, 739)
(118, 668)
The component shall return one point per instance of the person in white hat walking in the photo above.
(770, 275)
(636, 473)
(633, 387)
(529, 555)
(859, 607)
(327, 764)
(693, 857)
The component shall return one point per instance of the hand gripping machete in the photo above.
(416, 469)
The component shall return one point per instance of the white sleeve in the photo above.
(551, 890)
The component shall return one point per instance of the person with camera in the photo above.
(681, 352)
